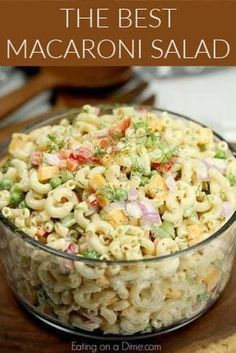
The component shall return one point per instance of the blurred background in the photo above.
(206, 94)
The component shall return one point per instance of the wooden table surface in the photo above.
(20, 333)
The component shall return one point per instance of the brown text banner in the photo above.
(110, 32)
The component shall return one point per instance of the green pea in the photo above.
(16, 198)
(55, 182)
(144, 180)
(221, 154)
(120, 195)
(140, 125)
(92, 254)
(5, 184)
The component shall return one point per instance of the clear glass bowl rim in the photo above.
(54, 117)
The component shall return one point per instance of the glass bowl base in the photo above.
(109, 337)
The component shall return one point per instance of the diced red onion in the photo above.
(52, 159)
(88, 318)
(132, 194)
(73, 248)
(70, 249)
(149, 213)
(170, 182)
(227, 209)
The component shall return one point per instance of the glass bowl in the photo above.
(116, 299)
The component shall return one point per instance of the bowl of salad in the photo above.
(117, 221)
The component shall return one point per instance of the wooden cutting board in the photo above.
(214, 332)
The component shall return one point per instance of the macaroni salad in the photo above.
(129, 185)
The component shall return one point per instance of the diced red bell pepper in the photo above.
(81, 156)
(95, 160)
(36, 158)
(120, 128)
(163, 167)
(104, 143)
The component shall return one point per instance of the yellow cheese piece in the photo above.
(155, 124)
(107, 160)
(97, 181)
(46, 173)
(194, 231)
(102, 200)
(205, 136)
(157, 188)
(116, 217)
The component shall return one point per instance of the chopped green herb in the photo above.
(220, 154)
(23, 204)
(5, 184)
(107, 191)
(232, 179)
(92, 254)
(167, 153)
(55, 142)
(152, 140)
(140, 125)
(65, 176)
(99, 152)
(52, 138)
(137, 165)
(55, 182)
(165, 230)
(161, 148)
